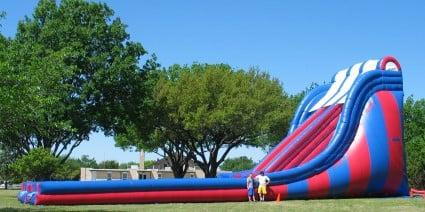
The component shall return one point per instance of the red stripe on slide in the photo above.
(318, 149)
(293, 151)
(394, 139)
(322, 137)
(359, 163)
(281, 162)
(287, 140)
(318, 185)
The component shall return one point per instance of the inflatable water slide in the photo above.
(346, 140)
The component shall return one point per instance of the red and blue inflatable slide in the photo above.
(346, 140)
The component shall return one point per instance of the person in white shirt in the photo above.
(263, 182)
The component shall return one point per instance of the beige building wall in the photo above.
(145, 174)
(199, 173)
(85, 174)
(138, 172)
(165, 174)
(134, 174)
(104, 174)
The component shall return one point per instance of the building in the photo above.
(160, 170)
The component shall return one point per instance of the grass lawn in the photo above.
(8, 202)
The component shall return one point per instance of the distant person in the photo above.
(263, 182)
(250, 187)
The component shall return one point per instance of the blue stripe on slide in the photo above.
(298, 189)
(339, 178)
(376, 134)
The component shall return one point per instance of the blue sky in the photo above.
(298, 42)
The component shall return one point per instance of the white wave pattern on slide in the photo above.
(344, 80)
(339, 79)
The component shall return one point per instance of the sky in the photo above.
(297, 42)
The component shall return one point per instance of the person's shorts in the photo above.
(262, 189)
(251, 191)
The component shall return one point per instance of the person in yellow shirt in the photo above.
(263, 181)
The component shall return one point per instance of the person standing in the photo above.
(250, 187)
(263, 181)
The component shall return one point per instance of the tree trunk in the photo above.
(212, 173)
(179, 162)
(197, 150)
(209, 170)
(178, 171)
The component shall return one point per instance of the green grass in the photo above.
(8, 202)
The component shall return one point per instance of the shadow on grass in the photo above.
(46, 209)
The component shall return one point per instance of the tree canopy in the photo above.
(109, 164)
(414, 135)
(203, 111)
(6, 161)
(70, 70)
(38, 165)
(149, 164)
(237, 164)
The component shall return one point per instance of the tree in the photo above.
(237, 164)
(69, 170)
(6, 171)
(6, 158)
(87, 162)
(109, 164)
(414, 135)
(170, 148)
(127, 165)
(204, 111)
(137, 133)
(70, 70)
(38, 165)
(149, 164)
(414, 118)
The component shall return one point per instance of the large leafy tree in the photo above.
(414, 118)
(38, 164)
(70, 70)
(414, 134)
(205, 111)
(70, 170)
(86, 162)
(6, 156)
